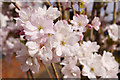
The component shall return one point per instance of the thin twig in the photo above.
(114, 13)
(92, 16)
(59, 6)
(55, 71)
(85, 11)
(48, 2)
(31, 74)
(79, 8)
(47, 70)
(27, 75)
(15, 4)
(72, 5)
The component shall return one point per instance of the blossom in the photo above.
(93, 67)
(112, 73)
(71, 71)
(69, 60)
(109, 60)
(51, 13)
(3, 35)
(113, 32)
(24, 14)
(33, 47)
(87, 49)
(45, 54)
(79, 22)
(90, 46)
(27, 62)
(10, 46)
(63, 37)
(38, 28)
(3, 21)
(96, 23)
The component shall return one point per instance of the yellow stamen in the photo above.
(39, 28)
(63, 43)
(92, 69)
(79, 24)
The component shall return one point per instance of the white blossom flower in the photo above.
(79, 22)
(93, 67)
(3, 20)
(69, 60)
(3, 35)
(71, 71)
(109, 60)
(62, 38)
(111, 73)
(27, 62)
(113, 32)
(96, 23)
(45, 54)
(10, 46)
(33, 47)
(110, 65)
(25, 14)
(86, 49)
(90, 46)
(38, 28)
(52, 13)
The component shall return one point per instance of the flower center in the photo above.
(63, 43)
(49, 35)
(79, 24)
(39, 28)
(92, 69)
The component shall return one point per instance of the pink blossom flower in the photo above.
(96, 23)
(38, 28)
(109, 60)
(27, 62)
(64, 37)
(45, 54)
(71, 71)
(113, 32)
(79, 21)
(10, 46)
(33, 47)
(50, 13)
(93, 67)
(69, 60)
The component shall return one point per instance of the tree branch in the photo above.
(114, 13)
(15, 4)
(72, 5)
(48, 2)
(59, 6)
(55, 71)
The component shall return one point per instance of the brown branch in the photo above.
(15, 4)
(79, 4)
(114, 13)
(31, 74)
(92, 17)
(47, 70)
(48, 2)
(59, 6)
(72, 5)
(55, 71)
(27, 75)
(85, 11)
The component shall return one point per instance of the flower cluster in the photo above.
(43, 39)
